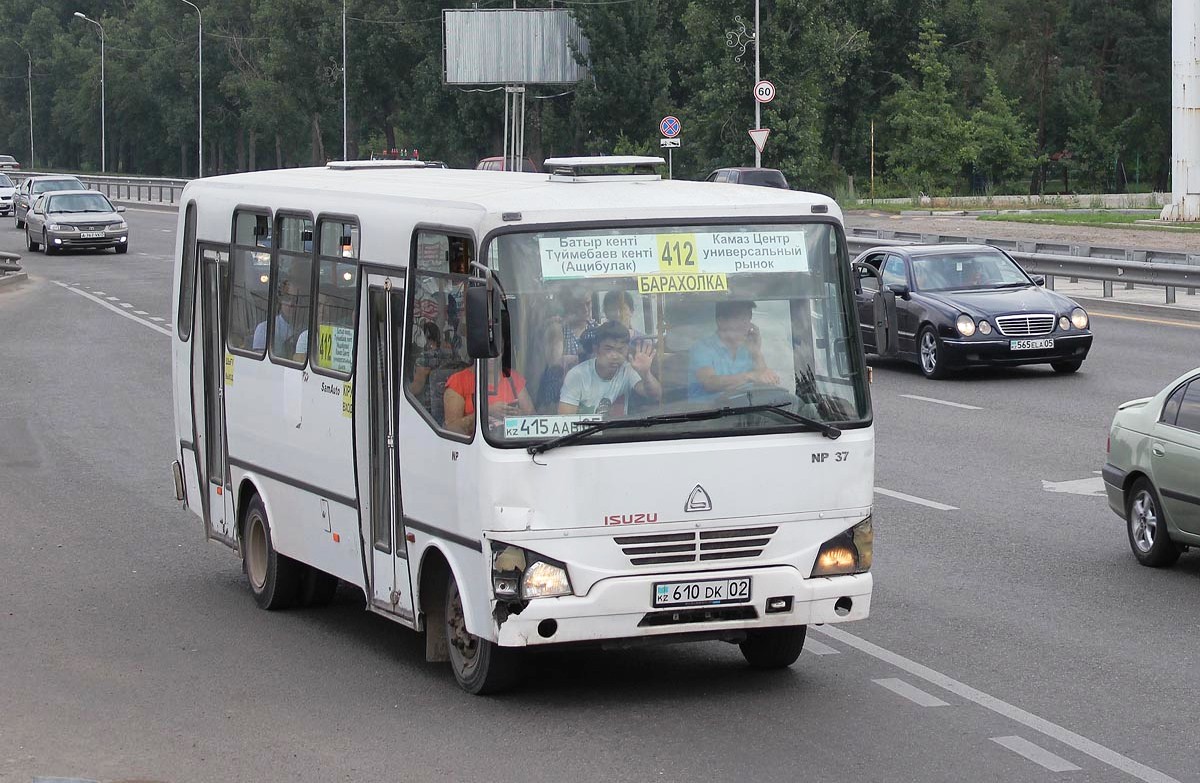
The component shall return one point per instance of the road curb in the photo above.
(13, 277)
(147, 205)
(1136, 308)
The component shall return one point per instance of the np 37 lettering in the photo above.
(630, 519)
(823, 456)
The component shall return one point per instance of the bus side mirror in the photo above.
(483, 320)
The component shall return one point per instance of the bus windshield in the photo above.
(635, 322)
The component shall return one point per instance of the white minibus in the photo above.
(585, 406)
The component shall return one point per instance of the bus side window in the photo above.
(291, 297)
(337, 290)
(250, 282)
(436, 339)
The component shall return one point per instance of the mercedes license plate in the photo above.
(1030, 345)
(92, 234)
(702, 593)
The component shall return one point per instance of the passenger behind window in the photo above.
(601, 385)
(577, 320)
(731, 357)
(433, 356)
(618, 307)
(286, 323)
(507, 396)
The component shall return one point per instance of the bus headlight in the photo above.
(519, 575)
(965, 325)
(849, 552)
(545, 580)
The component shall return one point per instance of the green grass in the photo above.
(1096, 219)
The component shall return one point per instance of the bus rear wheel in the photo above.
(480, 666)
(274, 578)
(774, 648)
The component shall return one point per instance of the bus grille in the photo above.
(696, 546)
(1026, 325)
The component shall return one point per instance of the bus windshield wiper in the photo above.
(827, 430)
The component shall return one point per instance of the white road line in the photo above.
(1028, 719)
(1036, 754)
(936, 401)
(140, 312)
(112, 298)
(98, 293)
(115, 309)
(910, 692)
(156, 318)
(914, 499)
(126, 304)
(817, 648)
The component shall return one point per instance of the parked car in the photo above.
(75, 219)
(496, 163)
(8, 163)
(31, 188)
(947, 307)
(749, 175)
(8, 192)
(1152, 475)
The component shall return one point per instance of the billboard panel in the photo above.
(512, 47)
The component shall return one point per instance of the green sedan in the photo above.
(1152, 475)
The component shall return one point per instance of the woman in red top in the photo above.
(507, 396)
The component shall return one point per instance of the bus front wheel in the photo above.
(274, 578)
(480, 666)
(774, 648)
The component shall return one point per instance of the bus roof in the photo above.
(494, 196)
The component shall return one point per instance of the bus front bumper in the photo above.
(621, 608)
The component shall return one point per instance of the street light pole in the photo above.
(345, 127)
(757, 78)
(32, 165)
(103, 144)
(200, 97)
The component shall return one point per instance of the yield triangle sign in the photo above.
(759, 135)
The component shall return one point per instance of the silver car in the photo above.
(1152, 476)
(34, 186)
(8, 192)
(75, 220)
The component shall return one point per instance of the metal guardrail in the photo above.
(154, 190)
(8, 263)
(1169, 276)
(1031, 246)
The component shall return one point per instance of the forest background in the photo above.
(959, 96)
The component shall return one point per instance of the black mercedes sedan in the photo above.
(948, 307)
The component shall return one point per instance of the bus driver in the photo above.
(601, 384)
(730, 358)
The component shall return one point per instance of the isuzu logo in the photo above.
(698, 501)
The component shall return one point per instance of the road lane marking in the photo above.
(817, 648)
(1028, 719)
(126, 304)
(1158, 321)
(115, 309)
(140, 312)
(1089, 487)
(98, 293)
(156, 318)
(1036, 753)
(911, 692)
(914, 499)
(112, 298)
(942, 402)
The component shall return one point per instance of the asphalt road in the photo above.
(1012, 638)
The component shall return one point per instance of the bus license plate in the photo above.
(1030, 345)
(92, 234)
(713, 591)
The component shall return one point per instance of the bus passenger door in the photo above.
(208, 395)
(376, 427)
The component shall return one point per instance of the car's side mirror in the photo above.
(120, 209)
(1039, 280)
(900, 290)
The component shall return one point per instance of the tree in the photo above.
(1000, 144)
(926, 148)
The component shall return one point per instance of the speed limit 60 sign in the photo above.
(764, 92)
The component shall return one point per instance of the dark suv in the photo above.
(748, 175)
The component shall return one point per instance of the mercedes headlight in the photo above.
(985, 327)
(965, 325)
(849, 552)
(1064, 323)
(1079, 318)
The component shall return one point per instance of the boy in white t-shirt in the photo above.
(602, 384)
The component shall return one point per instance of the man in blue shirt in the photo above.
(730, 358)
